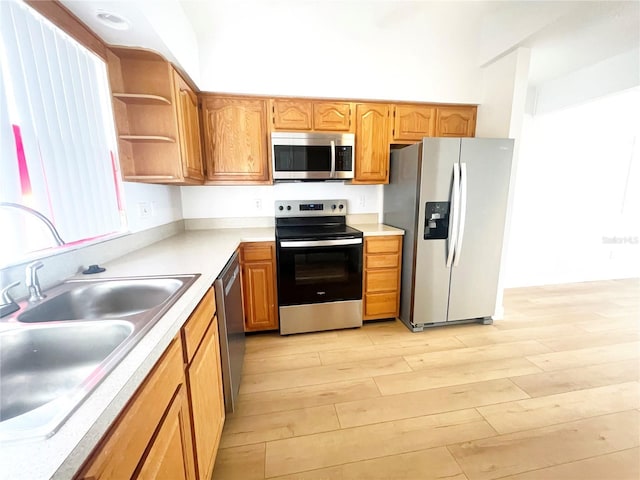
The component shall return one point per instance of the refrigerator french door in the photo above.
(450, 196)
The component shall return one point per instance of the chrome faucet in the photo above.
(39, 216)
(7, 304)
(33, 283)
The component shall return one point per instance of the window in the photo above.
(58, 150)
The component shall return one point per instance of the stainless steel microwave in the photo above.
(312, 156)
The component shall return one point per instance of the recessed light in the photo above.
(112, 20)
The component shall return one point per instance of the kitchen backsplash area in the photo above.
(258, 201)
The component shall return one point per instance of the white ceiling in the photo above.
(568, 35)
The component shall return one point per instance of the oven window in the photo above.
(319, 274)
(320, 268)
(298, 158)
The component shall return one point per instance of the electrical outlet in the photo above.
(257, 203)
(362, 201)
(144, 209)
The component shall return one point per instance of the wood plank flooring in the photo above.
(551, 392)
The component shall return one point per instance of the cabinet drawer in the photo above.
(118, 455)
(390, 244)
(194, 329)
(381, 280)
(391, 260)
(253, 252)
(381, 304)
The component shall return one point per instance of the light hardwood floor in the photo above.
(551, 392)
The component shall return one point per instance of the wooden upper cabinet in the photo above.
(332, 116)
(310, 115)
(372, 143)
(235, 140)
(156, 118)
(413, 122)
(291, 114)
(456, 121)
(189, 129)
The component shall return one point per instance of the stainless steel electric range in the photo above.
(319, 260)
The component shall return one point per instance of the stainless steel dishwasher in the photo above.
(231, 327)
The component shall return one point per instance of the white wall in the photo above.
(578, 187)
(258, 201)
(503, 95)
(614, 74)
(164, 203)
(381, 51)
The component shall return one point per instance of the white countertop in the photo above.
(376, 229)
(193, 251)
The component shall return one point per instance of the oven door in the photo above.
(319, 271)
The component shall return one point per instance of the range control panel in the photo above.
(310, 208)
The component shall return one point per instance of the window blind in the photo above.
(58, 139)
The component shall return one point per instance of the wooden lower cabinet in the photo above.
(148, 423)
(381, 285)
(171, 427)
(258, 267)
(170, 454)
(207, 402)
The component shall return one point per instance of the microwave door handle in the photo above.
(333, 158)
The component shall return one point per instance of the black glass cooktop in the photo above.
(317, 231)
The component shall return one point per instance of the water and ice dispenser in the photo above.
(436, 220)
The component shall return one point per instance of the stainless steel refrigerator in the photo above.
(450, 196)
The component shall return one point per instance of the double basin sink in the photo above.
(54, 352)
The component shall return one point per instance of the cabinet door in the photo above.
(207, 401)
(413, 122)
(372, 143)
(456, 122)
(122, 449)
(291, 114)
(258, 281)
(382, 263)
(170, 456)
(188, 130)
(332, 116)
(236, 140)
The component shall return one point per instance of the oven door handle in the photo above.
(321, 243)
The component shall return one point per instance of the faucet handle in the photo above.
(35, 265)
(6, 296)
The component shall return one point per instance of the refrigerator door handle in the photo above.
(463, 211)
(455, 206)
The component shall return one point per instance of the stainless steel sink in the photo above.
(111, 299)
(46, 369)
(55, 352)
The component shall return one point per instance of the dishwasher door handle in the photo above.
(232, 280)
